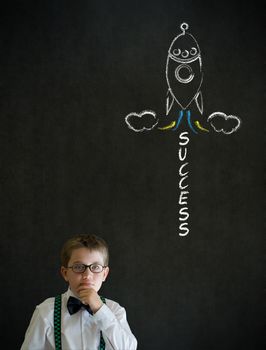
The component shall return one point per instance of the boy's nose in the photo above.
(87, 274)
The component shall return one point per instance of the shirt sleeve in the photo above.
(111, 319)
(37, 334)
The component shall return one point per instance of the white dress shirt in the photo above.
(80, 331)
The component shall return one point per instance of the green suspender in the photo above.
(57, 324)
(102, 342)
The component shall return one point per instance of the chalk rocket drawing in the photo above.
(184, 75)
(184, 78)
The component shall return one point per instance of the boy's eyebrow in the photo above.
(81, 262)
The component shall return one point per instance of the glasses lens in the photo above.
(78, 268)
(96, 268)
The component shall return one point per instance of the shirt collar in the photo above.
(69, 293)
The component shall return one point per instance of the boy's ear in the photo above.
(63, 271)
(106, 272)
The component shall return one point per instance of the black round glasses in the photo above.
(80, 268)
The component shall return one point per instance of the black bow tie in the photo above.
(74, 304)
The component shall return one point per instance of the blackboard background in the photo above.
(70, 72)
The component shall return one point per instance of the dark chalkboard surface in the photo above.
(71, 71)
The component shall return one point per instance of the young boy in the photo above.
(87, 320)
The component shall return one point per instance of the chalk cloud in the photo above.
(145, 120)
(226, 124)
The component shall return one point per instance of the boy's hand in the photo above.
(90, 297)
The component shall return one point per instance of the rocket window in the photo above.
(176, 52)
(193, 51)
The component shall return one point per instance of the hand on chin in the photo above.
(89, 296)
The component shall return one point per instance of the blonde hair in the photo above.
(92, 242)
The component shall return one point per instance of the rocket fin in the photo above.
(169, 101)
(199, 102)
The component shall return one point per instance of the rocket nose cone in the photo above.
(184, 46)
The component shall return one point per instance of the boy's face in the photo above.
(87, 279)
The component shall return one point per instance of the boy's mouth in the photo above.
(86, 284)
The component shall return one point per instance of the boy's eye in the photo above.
(79, 267)
(96, 267)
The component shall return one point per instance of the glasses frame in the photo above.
(87, 266)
